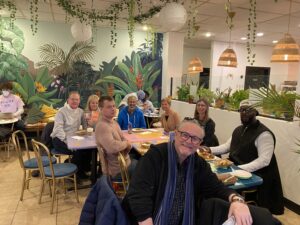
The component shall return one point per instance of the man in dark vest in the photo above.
(251, 147)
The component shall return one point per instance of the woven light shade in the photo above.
(228, 58)
(286, 50)
(195, 66)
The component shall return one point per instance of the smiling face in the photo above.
(94, 105)
(132, 101)
(74, 100)
(201, 107)
(188, 138)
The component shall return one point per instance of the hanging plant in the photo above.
(251, 35)
(11, 8)
(191, 22)
(34, 16)
(130, 21)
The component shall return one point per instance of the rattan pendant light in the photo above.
(228, 57)
(286, 50)
(195, 66)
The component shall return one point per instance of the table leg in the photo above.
(94, 166)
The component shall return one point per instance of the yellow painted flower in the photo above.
(39, 87)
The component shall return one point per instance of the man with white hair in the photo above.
(251, 147)
(140, 95)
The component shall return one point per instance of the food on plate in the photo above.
(81, 132)
(206, 155)
(227, 178)
(223, 163)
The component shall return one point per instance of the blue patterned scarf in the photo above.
(164, 209)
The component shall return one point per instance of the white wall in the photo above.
(60, 34)
(224, 77)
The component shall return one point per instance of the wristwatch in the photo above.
(237, 198)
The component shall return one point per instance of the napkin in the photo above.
(78, 138)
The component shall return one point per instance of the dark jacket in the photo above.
(102, 206)
(210, 139)
(149, 179)
(243, 151)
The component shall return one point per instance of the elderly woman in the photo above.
(201, 114)
(169, 119)
(92, 108)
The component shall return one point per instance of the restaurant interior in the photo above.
(217, 49)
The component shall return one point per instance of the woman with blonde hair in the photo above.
(169, 119)
(92, 110)
(202, 116)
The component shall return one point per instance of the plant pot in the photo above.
(219, 103)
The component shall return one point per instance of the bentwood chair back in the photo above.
(54, 172)
(27, 163)
(124, 172)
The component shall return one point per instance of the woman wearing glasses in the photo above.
(169, 119)
(201, 115)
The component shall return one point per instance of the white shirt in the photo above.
(265, 148)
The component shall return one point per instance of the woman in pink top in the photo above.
(10, 103)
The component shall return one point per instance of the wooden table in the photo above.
(35, 127)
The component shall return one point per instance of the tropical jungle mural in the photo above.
(46, 88)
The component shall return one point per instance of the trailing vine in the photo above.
(12, 9)
(34, 16)
(251, 35)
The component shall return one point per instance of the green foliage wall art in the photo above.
(11, 46)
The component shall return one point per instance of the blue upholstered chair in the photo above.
(27, 163)
(54, 172)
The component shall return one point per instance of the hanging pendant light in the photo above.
(195, 66)
(228, 58)
(286, 50)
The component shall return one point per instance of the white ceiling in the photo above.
(272, 18)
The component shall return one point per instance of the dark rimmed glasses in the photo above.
(186, 136)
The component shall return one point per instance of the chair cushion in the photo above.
(32, 163)
(61, 170)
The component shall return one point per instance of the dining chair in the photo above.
(27, 163)
(5, 140)
(124, 172)
(54, 173)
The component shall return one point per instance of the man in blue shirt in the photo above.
(131, 114)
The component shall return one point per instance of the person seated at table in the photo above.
(10, 103)
(92, 107)
(140, 95)
(145, 104)
(169, 118)
(173, 185)
(67, 121)
(202, 116)
(251, 147)
(110, 140)
(131, 114)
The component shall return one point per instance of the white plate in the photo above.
(241, 174)
(137, 130)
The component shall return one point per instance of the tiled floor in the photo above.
(66, 211)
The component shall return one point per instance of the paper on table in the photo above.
(78, 138)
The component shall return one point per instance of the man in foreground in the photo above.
(173, 185)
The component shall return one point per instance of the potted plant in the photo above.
(222, 97)
(236, 97)
(207, 94)
(183, 92)
(191, 99)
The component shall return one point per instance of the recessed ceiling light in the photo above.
(274, 41)
(208, 34)
(145, 27)
(260, 34)
(243, 38)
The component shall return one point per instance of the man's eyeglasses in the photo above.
(246, 109)
(186, 136)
